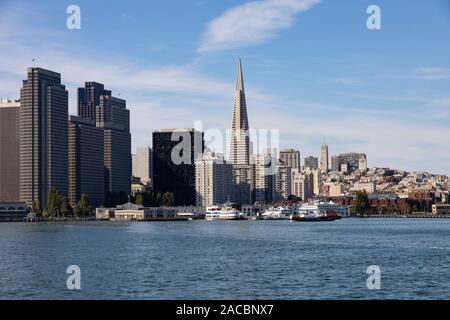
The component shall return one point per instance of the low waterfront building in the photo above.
(341, 210)
(13, 211)
(440, 208)
(253, 210)
(133, 212)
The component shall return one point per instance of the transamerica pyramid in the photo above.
(240, 140)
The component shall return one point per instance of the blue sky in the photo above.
(311, 68)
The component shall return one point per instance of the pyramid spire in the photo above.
(239, 77)
(240, 141)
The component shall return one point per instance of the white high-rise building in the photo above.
(142, 164)
(324, 158)
(283, 182)
(262, 177)
(213, 180)
(302, 184)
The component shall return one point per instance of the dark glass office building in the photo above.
(114, 118)
(86, 162)
(174, 154)
(43, 136)
(89, 99)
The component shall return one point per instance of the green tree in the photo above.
(76, 211)
(294, 198)
(158, 200)
(139, 199)
(361, 202)
(66, 208)
(36, 208)
(84, 204)
(51, 209)
(167, 199)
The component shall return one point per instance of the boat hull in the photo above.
(315, 219)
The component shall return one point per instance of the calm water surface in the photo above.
(226, 260)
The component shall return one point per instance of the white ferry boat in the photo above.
(312, 212)
(280, 213)
(225, 212)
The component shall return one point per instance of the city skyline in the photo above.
(383, 117)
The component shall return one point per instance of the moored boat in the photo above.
(225, 212)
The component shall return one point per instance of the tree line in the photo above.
(58, 206)
(150, 198)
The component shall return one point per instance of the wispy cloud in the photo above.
(252, 23)
(432, 73)
(423, 73)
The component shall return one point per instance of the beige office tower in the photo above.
(9, 151)
(324, 158)
(240, 142)
(142, 165)
(302, 184)
(290, 158)
(363, 162)
(316, 179)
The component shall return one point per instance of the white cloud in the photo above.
(251, 23)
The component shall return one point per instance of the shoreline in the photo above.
(388, 216)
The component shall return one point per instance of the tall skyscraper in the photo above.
(335, 163)
(290, 158)
(142, 164)
(240, 139)
(113, 116)
(312, 162)
(174, 155)
(9, 151)
(43, 136)
(324, 158)
(240, 142)
(213, 180)
(89, 99)
(86, 161)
